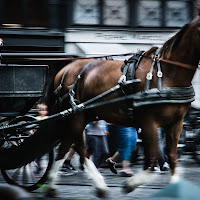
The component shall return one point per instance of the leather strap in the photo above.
(187, 66)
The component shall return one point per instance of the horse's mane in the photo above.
(150, 51)
(170, 44)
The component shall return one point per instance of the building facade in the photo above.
(32, 25)
(119, 26)
(91, 27)
(82, 26)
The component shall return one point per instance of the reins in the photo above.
(77, 58)
(31, 58)
(187, 66)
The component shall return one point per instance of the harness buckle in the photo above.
(149, 76)
(159, 74)
(122, 79)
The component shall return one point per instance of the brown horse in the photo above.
(152, 107)
(160, 98)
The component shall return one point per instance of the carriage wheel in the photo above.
(33, 175)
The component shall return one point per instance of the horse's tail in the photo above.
(48, 95)
(46, 137)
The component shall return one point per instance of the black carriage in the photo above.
(21, 87)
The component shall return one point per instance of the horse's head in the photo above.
(184, 46)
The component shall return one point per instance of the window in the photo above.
(165, 13)
(17, 13)
(36, 13)
(106, 12)
(149, 13)
(115, 12)
(177, 13)
(134, 13)
(86, 12)
(13, 13)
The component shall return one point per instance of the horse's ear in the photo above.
(197, 8)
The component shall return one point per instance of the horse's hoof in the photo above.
(102, 193)
(126, 189)
(51, 192)
(82, 167)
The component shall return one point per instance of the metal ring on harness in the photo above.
(149, 76)
(159, 74)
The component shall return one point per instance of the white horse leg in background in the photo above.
(175, 178)
(138, 179)
(96, 178)
(92, 173)
(142, 178)
(52, 178)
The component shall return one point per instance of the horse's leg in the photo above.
(80, 148)
(91, 170)
(62, 152)
(150, 140)
(74, 135)
(172, 136)
(96, 178)
(52, 176)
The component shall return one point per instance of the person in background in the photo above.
(42, 111)
(96, 141)
(42, 114)
(164, 166)
(96, 146)
(162, 161)
(67, 168)
(126, 142)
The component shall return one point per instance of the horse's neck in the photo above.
(182, 64)
(176, 76)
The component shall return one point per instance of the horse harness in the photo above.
(157, 95)
(153, 96)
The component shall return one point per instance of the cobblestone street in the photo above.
(77, 187)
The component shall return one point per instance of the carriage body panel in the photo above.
(22, 80)
(20, 87)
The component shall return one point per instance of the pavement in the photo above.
(78, 187)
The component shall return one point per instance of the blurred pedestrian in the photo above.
(126, 142)
(42, 111)
(162, 161)
(164, 166)
(42, 114)
(96, 141)
(67, 167)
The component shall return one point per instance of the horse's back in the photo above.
(70, 72)
(100, 77)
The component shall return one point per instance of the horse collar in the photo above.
(129, 67)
